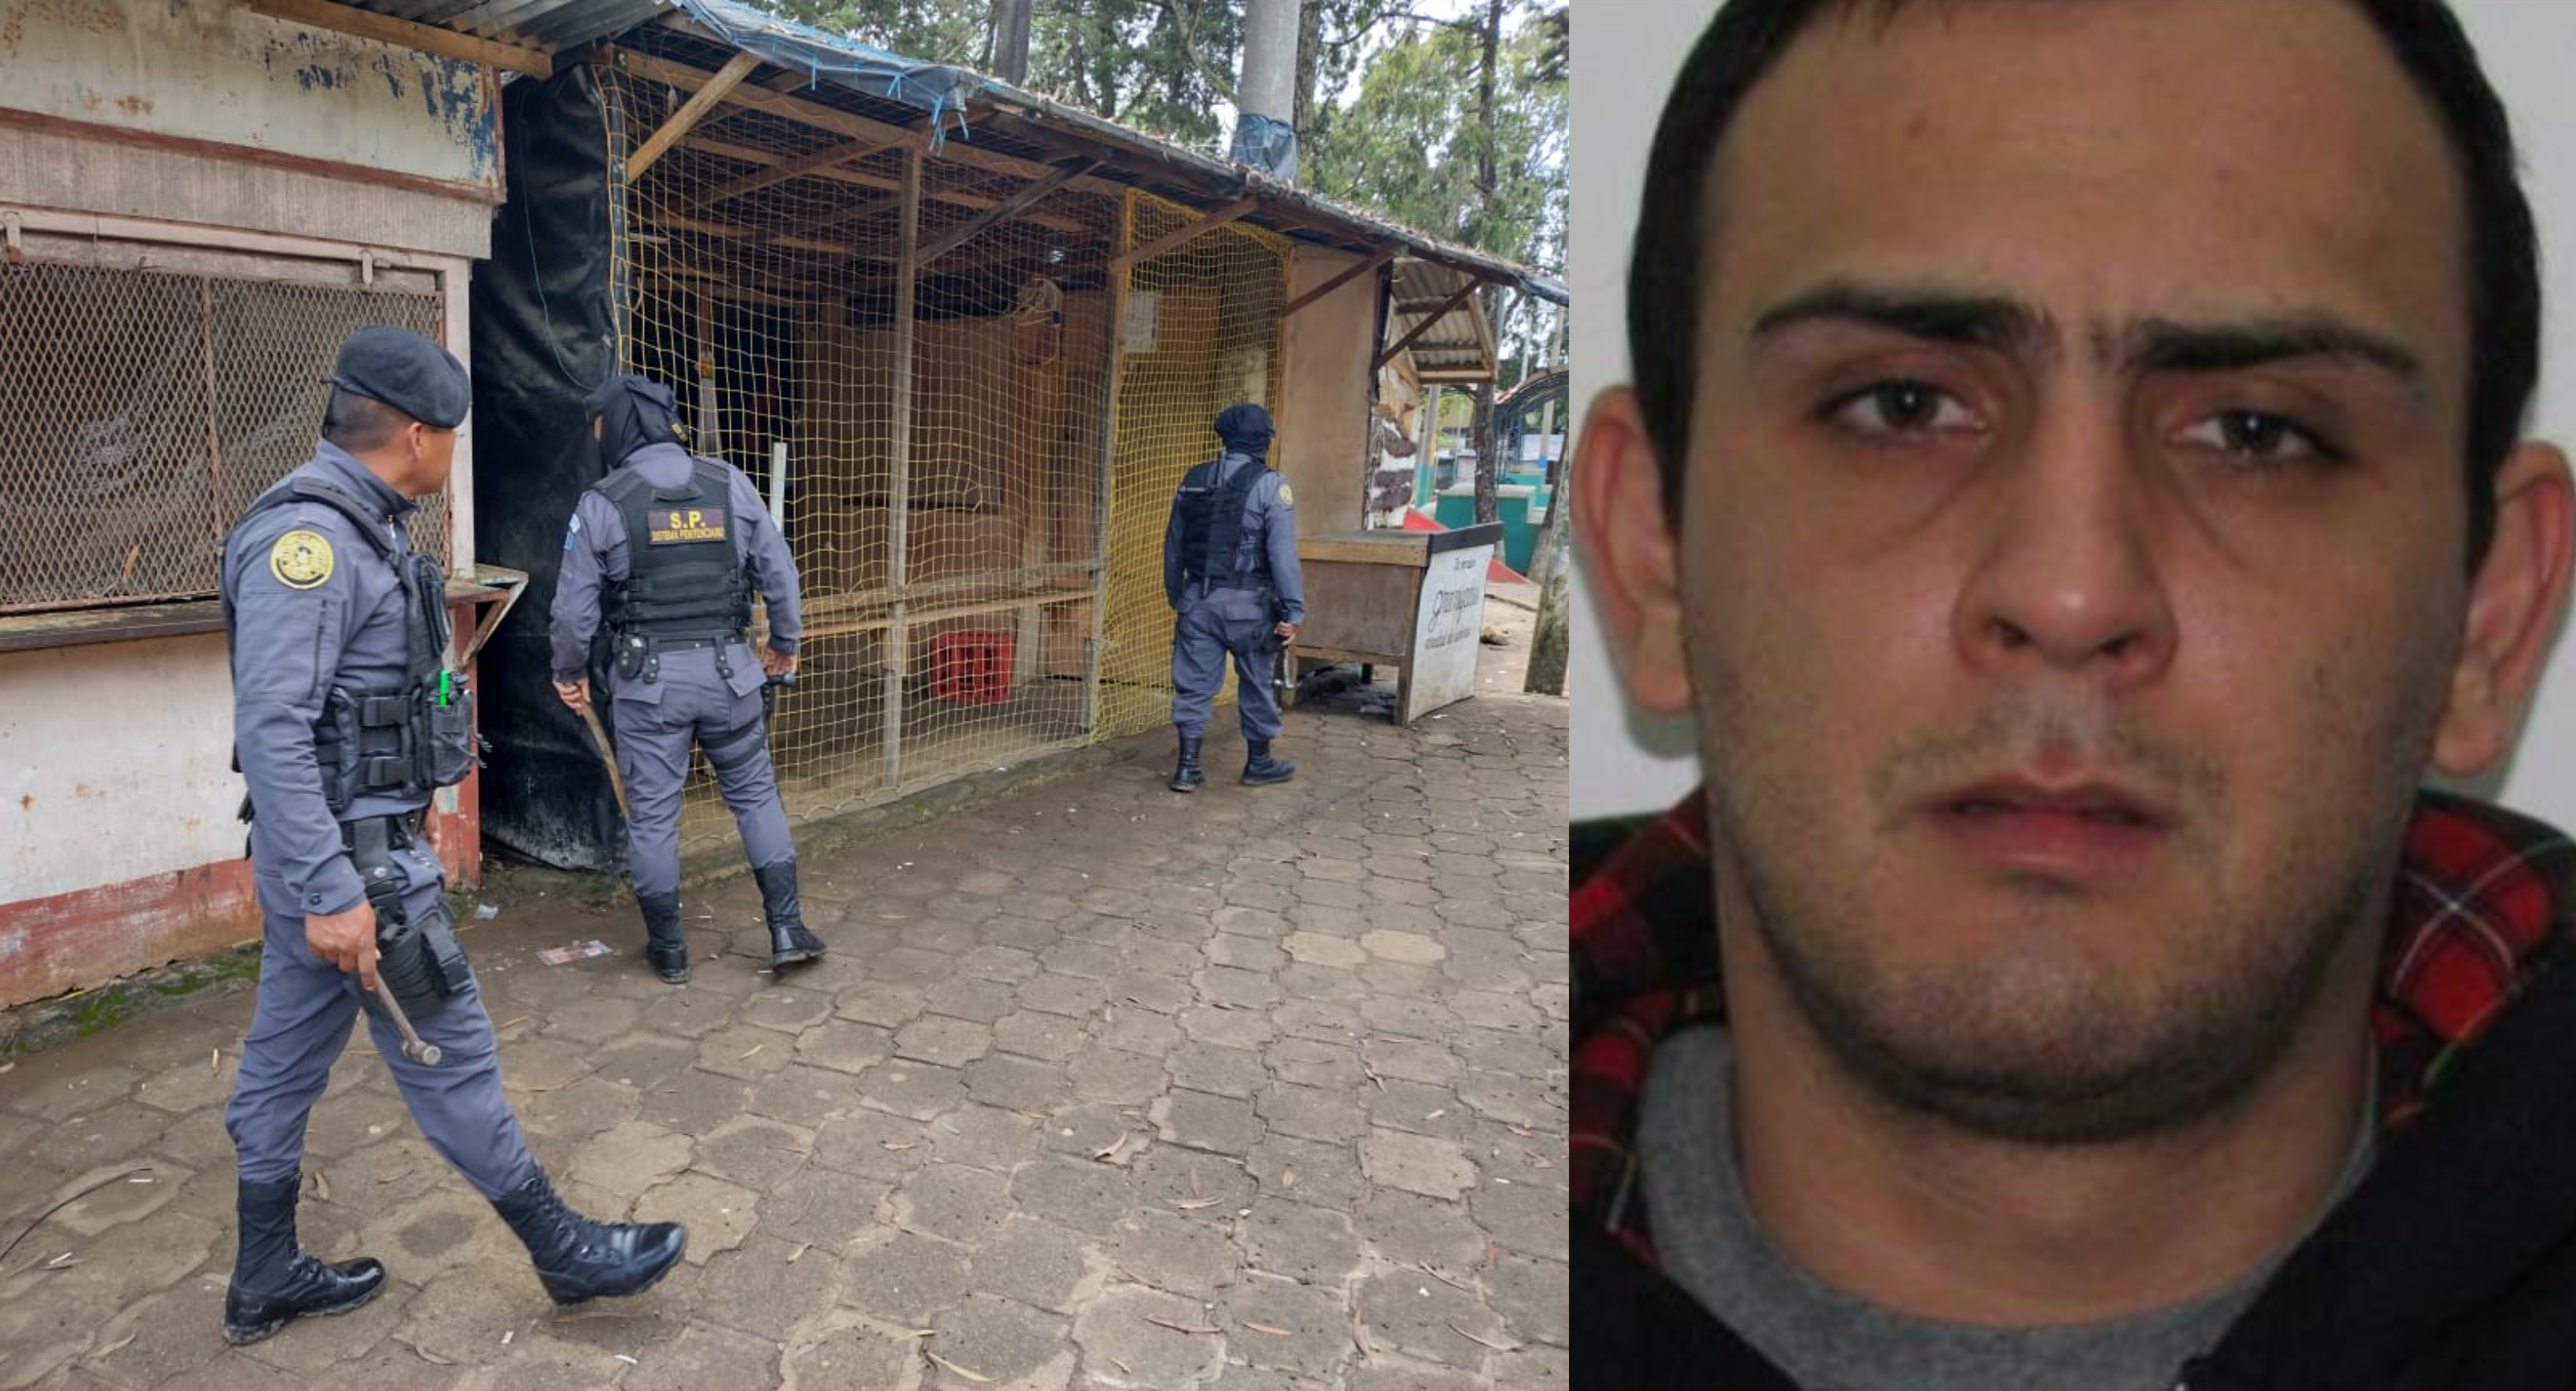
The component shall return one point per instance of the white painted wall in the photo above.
(115, 763)
(1628, 54)
(210, 70)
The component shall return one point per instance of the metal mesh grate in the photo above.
(950, 549)
(141, 411)
(1200, 330)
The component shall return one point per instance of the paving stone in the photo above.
(1204, 1186)
(1406, 1229)
(1018, 1084)
(1047, 1037)
(911, 966)
(1037, 1263)
(1520, 1101)
(1247, 990)
(823, 1207)
(1252, 922)
(1411, 1313)
(881, 1003)
(943, 1040)
(1205, 1121)
(1311, 1113)
(756, 1153)
(1309, 1063)
(903, 1278)
(854, 1357)
(707, 1356)
(844, 1046)
(1318, 1321)
(1324, 1021)
(1225, 1071)
(1068, 995)
(1086, 1196)
(1410, 948)
(1006, 1342)
(1410, 1060)
(633, 1159)
(757, 1289)
(978, 1001)
(643, 1062)
(1531, 1364)
(718, 1214)
(691, 1102)
(1299, 1241)
(1117, 1331)
(1533, 1297)
(788, 1009)
(1523, 1217)
(1487, 1050)
(1139, 1031)
(873, 1143)
(1325, 949)
(744, 1053)
(1392, 1371)
(1246, 953)
(1309, 1171)
(1408, 1018)
(1171, 1252)
(1234, 1028)
(907, 1088)
(1160, 992)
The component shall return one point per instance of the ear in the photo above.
(2514, 604)
(1631, 559)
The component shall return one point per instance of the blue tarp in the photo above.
(826, 57)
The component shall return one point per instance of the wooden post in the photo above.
(1117, 335)
(899, 461)
(710, 440)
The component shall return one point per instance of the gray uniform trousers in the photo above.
(1215, 624)
(302, 1023)
(657, 721)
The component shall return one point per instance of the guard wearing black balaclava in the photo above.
(678, 544)
(1230, 574)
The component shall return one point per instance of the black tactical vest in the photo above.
(405, 741)
(1212, 530)
(684, 576)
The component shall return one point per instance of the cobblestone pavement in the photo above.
(1260, 1090)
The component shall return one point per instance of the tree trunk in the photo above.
(1011, 40)
(1269, 87)
(1310, 50)
(1480, 436)
(1550, 640)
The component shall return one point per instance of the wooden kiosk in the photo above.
(1410, 599)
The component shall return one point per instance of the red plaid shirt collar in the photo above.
(2480, 893)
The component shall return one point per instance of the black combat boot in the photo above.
(789, 939)
(1188, 776)
(274, 1282)
(1259, 767)
(663, 944)
(579, 1259)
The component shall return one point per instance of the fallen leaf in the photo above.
(629, 1361)
(104, 1353)
(1265, 1328)
(426, 1355)
(977, 1377)
(1193, 1204)
(1194, 1179)
(1539, 1159)
(1112, 1151)
(1483, 1342)
(1432, 1271)
(1288, 1179)
(889, 1144)
(213, 1064)
(321, 1187)
(1121, 1366)
(754, 1049)
(1517, 1131)
(1359, 1333)
(1437, 1114)
(507, 1334)
(1182, 1327)
(801, 1248)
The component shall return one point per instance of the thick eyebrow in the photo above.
(2164, 345)
(1934, 315)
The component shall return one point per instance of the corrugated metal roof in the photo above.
(549, 26)
(1458, 347)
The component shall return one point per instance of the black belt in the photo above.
(401, 828)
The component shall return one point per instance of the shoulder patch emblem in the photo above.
(300, 559)
(1286, 498)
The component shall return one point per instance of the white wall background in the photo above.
(1627, 55)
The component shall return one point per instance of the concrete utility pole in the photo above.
(1011, 40)
(1263, 134)
(1552, 560)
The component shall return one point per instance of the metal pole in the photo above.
(899, 462)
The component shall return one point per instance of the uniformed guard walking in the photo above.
(345, 719)
(1230, 574)
(678, 607)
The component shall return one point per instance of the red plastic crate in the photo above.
(971, 667)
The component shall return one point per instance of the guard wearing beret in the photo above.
(1230, 574)
(346, 718)
(676, 545)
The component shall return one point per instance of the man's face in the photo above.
(437, 456)
(2072, 550)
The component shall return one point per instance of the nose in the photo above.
(2065, 576)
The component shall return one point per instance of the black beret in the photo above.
(407, 372)
(1243, 423)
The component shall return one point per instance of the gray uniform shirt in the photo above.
(1269, 529)
(595, 554)
(313, 607)
(1713, 1246)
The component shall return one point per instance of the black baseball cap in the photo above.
(407, 372)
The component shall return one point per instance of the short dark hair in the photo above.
(1747, 39)
(359, 423)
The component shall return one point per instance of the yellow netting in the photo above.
(1200, 329)
(950, 542)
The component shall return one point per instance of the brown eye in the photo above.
(2258, 439)
(1901, 407)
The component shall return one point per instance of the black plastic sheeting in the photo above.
(1267, 144)
(545, 311)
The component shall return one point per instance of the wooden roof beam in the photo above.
(1424, 327)
(429, 38)
(1345, 276)
(1229, 213)
(698, 105)
(974, 227)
